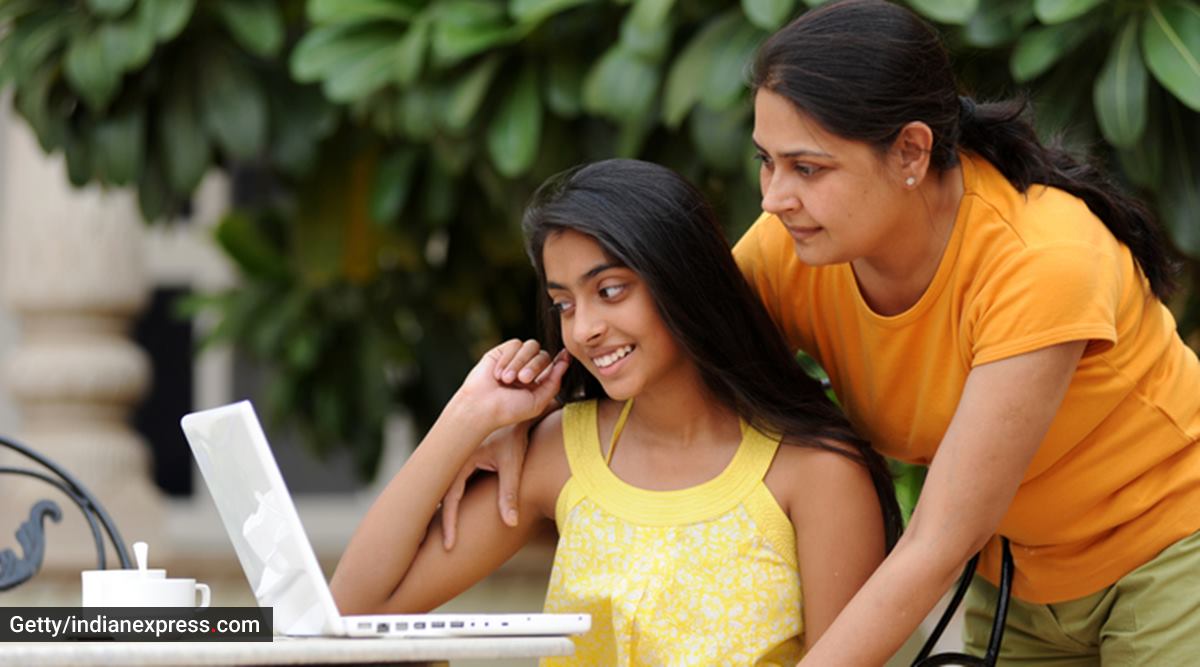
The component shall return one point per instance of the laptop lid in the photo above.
(232, 453)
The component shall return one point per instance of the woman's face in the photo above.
(609, 320)
(835, 196)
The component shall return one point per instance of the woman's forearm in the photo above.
(890, 606)
(385, 544)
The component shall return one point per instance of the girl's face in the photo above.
(609, 320)
(835, 196)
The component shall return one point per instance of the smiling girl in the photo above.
(712, 505)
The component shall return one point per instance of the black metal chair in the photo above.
(15, 570)
(924, 659)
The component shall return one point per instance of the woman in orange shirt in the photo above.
(992, 308)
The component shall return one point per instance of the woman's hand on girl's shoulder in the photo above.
(512, 382)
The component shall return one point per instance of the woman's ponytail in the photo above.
(1000, 133)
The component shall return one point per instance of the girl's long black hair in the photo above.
(653, 221)
(863, 69)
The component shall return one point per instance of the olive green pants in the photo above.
(1149, 617)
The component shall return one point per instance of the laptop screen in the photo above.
(233, 456)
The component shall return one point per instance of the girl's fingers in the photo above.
(536, 369)
(548, 386)
(504, 353)
(527, 351)
(450, 507)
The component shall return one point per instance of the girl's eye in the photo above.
(807, 169)
(611, 291)
(560, 307)
(763, 159)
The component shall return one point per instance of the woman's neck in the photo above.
(893, 281)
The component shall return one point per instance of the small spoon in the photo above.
(141, 551)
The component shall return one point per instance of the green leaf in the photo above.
(78, 156)
(1038, 49)
(109, 8)
(955, 12)
(300, 118)
(37, 37)
(532, 12)
(373, 70)
(410, 53)
(727, 81)
(688, 75)
(564, 87)
(358, 11)
(119, 141)
(515, 131)
(165, 18)
(768, 14)
(646, 29)
(464, 28)
(1171, 45)
(632, 136)
(997, 23)
(233, 106)
(253, 251)
(1179, 198)
(908, 478)
(440, 200)
(419, 113)
(1120, 92)
(1058, 11)
(720, 136)
(153, 193)
(256, 24)
(329, 48)
(32, 101)
(621, 86)
(649, 16)
(468, 94)
(127, 45)
(1062, 106)
(16, 9)
(278, 319)
(90, 73)
(1142, 163)
(184, 146)
(393, 185)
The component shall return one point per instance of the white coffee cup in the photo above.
(141, 591)
(100, 586)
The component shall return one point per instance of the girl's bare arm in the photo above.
(395, 561)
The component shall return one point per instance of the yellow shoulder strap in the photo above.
(612, 444)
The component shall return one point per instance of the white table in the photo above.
(282, 651)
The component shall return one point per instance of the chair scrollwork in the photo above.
(14, 569)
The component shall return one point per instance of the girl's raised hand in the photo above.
(513, 382)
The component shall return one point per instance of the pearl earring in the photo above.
(910, 181)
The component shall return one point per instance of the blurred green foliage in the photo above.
(383, 149)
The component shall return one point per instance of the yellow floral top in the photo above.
(700, 576)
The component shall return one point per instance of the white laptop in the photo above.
(257, 510)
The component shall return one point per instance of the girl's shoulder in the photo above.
(807, 474)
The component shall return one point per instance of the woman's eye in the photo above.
(763, 159)
(560, 307)
(807, 169)
(612, 291)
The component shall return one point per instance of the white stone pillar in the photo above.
(72, 272)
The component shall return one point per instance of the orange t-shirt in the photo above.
(1117, 477)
